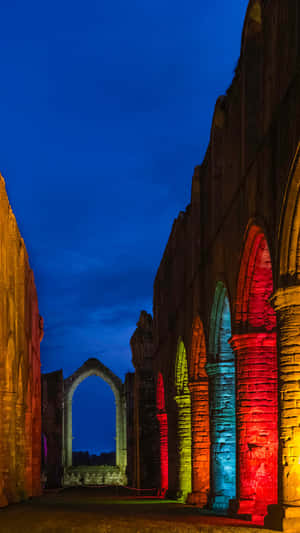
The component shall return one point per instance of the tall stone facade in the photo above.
(226, 317)
(21, 330)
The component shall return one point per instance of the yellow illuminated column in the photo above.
(286, 302)
(184, 444)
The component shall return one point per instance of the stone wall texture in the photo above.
(21, 330)
(241, 230)
(52, 428)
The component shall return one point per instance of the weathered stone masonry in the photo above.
(241, 230)
(21, 330)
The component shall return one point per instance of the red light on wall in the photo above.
(163, 434)
(257, 381)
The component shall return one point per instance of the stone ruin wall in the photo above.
(21, 331)
(52, 429)
(239, 187)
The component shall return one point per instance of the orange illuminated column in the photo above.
(163, 434)
(198, 386)
(256, 358)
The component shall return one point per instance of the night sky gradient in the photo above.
(105, 108)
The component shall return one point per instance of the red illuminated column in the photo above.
(257, 413)
(163, 434)
(200, 442)
(286, 302)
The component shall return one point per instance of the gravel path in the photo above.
(102, 511)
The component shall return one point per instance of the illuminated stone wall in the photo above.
(21, 331)
(240, 230)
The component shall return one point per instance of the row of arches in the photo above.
(226, 396)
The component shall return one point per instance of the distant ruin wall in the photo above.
(21, 331)
(52, 424)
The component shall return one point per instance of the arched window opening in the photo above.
(94, 427)
(163, 435)
(103, 474)
(183, 400)
(257, 382)
(221, 371)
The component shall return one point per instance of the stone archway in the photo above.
(85, 475)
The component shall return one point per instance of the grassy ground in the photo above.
(104, 511)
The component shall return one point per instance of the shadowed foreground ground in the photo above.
(101, 510)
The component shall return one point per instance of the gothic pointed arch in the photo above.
(255, 347)
(289, 255)
(94, 367)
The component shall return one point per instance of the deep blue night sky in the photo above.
(105, 110)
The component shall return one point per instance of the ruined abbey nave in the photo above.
(211, 415)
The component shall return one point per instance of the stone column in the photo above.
(223, 433)
(257, 414)
(68, 431)
(286, 303)
(163, 439)
(118, 430)
(200, 442)
(184, 441)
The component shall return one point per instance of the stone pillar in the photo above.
(124, 433)
(118, 430)
(223, 433)
(184, 442)
(163, 439)
(68, 431)
(257, 414)
(200, 442)
(286, 303)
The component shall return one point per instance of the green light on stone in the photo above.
(183, 400)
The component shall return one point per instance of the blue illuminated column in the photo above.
(221, 371)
